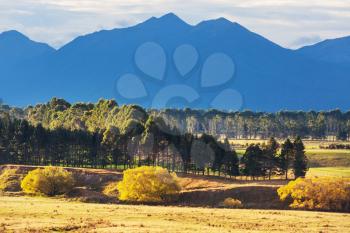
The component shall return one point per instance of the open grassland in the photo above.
(329, 171)
(328, 158)
(33, 214)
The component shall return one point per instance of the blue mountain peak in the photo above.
(13, 34)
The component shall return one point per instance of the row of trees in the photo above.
(328, 125)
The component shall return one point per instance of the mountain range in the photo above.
(267, 76)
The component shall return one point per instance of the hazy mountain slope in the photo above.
(16, 47)
(335, 50)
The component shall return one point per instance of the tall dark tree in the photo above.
(252, 162)
(300, 160)
(270, 156)
(230, 160)
(286, 157)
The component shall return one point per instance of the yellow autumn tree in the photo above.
(148, 184)
(324, 193)
(48, 181)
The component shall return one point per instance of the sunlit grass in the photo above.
(29, 214)
(329, 171)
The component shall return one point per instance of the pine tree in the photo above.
(300, 160)
(287, 156)
(230, 160)
(252, 161)
(270, 156)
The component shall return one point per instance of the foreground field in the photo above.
(32, 214)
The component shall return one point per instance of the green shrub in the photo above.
(148, 184)
(10, 180)
(48, 181)
(232, 203)
(324, 193)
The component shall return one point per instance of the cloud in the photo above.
(305, 40)
(285, 22)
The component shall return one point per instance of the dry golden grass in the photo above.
(29, 214)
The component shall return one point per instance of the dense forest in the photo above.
(324, 125)
(107, 135)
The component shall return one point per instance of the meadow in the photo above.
(329, 171)
(35, 214)
(198, 209)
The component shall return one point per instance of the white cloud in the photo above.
(306, 40)
(284, 22)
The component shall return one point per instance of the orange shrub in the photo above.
(323, 193)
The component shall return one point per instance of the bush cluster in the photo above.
(111, 189)
(10, 180)
(232, 203)
(148, 184)
(336, 147)
(324, 193)
(49, 181)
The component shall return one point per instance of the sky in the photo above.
(289, 23)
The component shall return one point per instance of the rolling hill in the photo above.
(267, 76)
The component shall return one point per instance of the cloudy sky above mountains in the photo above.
(290, 23)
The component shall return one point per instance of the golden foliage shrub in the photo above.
(10, 180)
(323, 193)
(232, 203)
(48, 181)
(148, 184)
(111, 189)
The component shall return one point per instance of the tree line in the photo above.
(323, 125)
(107, 135)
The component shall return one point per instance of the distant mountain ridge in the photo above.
(335, 50)
(268, 76)
(16, 47)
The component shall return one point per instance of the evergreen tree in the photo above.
(270, 154)
(286, 157)
(230, 160)
(252, 162)
(300, 160)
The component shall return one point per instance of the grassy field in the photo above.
(329, 171)
(328, 158)
(33, 214)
